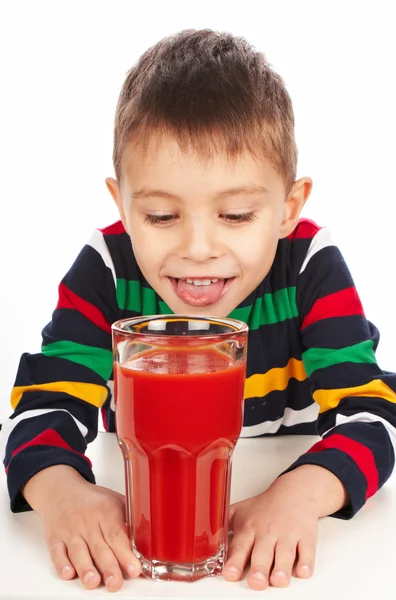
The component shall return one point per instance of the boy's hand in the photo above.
(277, 530)
(84, 527)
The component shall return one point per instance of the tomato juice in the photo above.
(179, 415)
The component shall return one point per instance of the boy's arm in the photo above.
(357, 400)
(277, 529)
(58, 391)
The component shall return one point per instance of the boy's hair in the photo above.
(212, 92)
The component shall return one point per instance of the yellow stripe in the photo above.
(274, 379)
(328, 399)
(89, 392)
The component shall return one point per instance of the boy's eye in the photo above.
(166, 219)
(238, 218)
(159, 219)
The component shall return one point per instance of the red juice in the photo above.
(179, 415)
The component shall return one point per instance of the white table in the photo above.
(355, 559)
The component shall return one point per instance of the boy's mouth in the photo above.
(202, 291)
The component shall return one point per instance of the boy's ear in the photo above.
(112, 186)
(294, 204)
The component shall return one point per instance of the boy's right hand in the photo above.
(84, 527)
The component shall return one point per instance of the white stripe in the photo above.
(291, 417)
(366, 417)
(321, 240)
(9, 425)
(98, 243)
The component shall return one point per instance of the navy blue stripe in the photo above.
(32, 460)
(288, 260)
(340, 332)
(26, 430)
(124, 261)
(325, 273)
(38, 368)
(84, 412)
(71, 325)
(344, 375)
(90, 279)
(272, 406)
(109, 416)
(352, 405)
(264, 350)
(299, 429)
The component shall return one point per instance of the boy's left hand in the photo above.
(277, 529)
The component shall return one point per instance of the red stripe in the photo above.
(362, 456)
(305, 229)
(104, 419)
(339, 304)
(114, 229)
(68, 299)
(49, 437)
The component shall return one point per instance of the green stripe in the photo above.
(131, 295)
(271, 308)
(97, 359)
(320, 358)
(164, 308)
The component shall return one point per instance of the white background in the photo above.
(62, 64)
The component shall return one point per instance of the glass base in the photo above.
(164, 571)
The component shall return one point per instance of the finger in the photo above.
(60, 560)
(306, 558)
(118, 540)
(231, 517)
(238, 555)
(105, 561)
(81, 560)
(285, 556)
(261, 562)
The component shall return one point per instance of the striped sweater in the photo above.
(311, 364)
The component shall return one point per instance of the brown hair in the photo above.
(210, 91)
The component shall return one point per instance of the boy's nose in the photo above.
(200, 242)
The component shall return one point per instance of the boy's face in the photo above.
(204, 233)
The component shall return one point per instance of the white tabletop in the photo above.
(355, 559)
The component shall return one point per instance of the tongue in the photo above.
(199, 295)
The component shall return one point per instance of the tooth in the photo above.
(215, 280)
(189, 280)
(206, 282)
(197, 282)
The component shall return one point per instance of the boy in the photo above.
(205, 164)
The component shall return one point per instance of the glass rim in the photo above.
(237, 325)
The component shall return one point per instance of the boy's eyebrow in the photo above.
(245, 190)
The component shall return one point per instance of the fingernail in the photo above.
(259, 576)
(89, 576)
(305, 570)
(231, 570)
(280, 574)
(109, 580)
(131, 570)
(66, 570)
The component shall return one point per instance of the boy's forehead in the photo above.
(164, 160)
(167, 150)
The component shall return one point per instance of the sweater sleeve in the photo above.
(357, 400)
(58, 391)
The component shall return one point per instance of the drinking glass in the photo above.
(179, 393)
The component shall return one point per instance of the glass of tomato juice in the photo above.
(179, 393)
